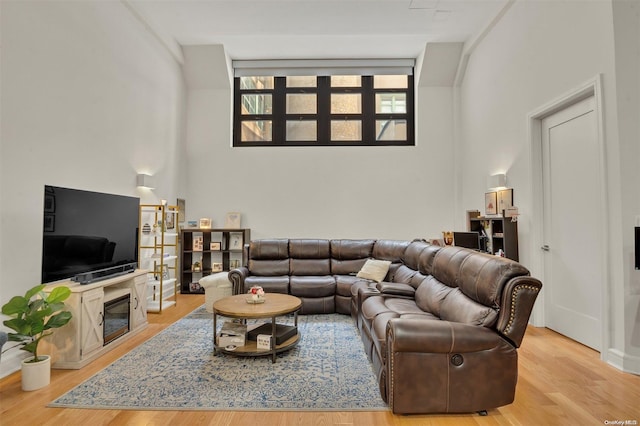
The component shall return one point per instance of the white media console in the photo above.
(83, 339)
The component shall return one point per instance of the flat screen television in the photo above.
(469, 240)
(88, 235)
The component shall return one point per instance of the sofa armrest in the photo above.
(433, 336)
(518, 298)
(237, 277)
(396, 289)
(437, 366)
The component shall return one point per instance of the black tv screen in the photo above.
(87, 231)
(469, 240)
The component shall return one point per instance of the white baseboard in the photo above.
(11, 361)
(624, 362)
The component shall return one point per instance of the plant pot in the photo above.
(36, 375)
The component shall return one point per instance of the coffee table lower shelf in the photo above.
(251, 348)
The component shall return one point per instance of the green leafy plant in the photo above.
(34, 314)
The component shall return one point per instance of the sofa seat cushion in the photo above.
(362, 284)
(345, 283)
(403, 306)
(318, 305)
(313, 286)
(269, 284)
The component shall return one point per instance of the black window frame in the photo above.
(323, 116)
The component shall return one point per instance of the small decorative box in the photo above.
(264, 341)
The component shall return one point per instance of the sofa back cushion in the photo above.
(480, 277)
(403, 274)
(389, 250)
(309, 257)
(427, 256)
(348, 256)
(411, 255)
(269, 257)
(450, 304)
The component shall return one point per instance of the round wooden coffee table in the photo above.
(275, 305)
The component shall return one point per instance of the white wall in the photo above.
(322, 192)
(89, 99)
(536, 53)
(626, 15)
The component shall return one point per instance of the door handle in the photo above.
(545, 247)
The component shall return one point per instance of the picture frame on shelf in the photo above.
(505, 199)
(232, 220)
(215, 246)
(235, 241)
(181, 203)
(216, 267)
(205, 223)
(192, 224)
(490, 203)
(169, 220)
(198, 242)
(195, 287)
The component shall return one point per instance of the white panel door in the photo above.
(572, 223)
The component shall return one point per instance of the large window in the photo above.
(335, 109)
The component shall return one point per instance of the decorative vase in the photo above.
(448, 237)
(36, 375)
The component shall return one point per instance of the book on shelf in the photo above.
(283, 332)
(232, 333)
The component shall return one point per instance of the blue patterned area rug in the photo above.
(176, 370)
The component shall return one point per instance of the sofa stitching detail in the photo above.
(453, 339)
(391, 362)
(514, 296)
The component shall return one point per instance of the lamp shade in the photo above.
(498, 180)
(145, 181)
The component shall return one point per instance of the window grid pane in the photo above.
(301, 103)
(390, 82)
(391, 130)
(346, 130)
(302, 130)
(391, 103)
(256, 131)
(346, 81)
(258, 83)
(302, 81)
(346, 103)
(256, 104)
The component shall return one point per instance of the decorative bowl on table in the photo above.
(256, 295)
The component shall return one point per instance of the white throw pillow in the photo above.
(374, 269)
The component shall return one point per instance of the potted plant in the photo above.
(32, 316)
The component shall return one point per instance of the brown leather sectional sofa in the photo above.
(441, 329)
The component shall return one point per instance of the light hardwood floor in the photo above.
(560, 382)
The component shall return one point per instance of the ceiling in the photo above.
(317, 29)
